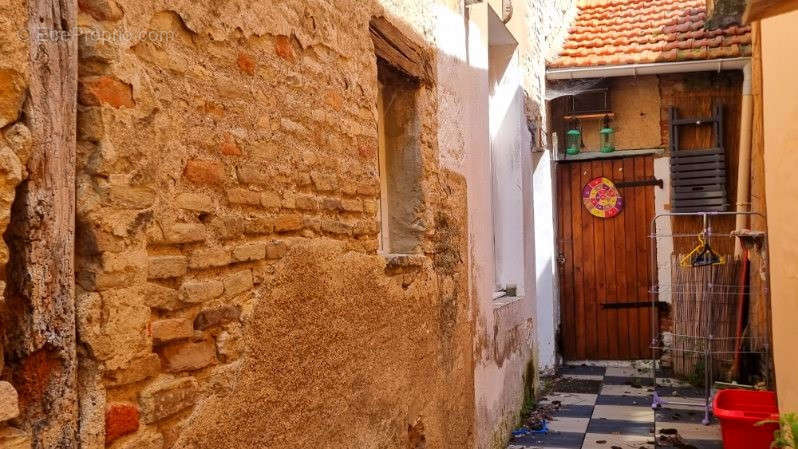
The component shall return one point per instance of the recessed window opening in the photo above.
(506, 124)
(400, 162)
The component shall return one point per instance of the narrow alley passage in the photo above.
(596, 407)
(398, 224)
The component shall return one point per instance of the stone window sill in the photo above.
(404, 262)
(504, 301)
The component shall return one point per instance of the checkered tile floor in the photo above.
(620, 416)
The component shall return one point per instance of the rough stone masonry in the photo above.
(15, 148)
(228, 288)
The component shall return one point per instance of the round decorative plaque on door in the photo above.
(601, 198)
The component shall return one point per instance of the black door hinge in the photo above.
(631, 305)
(641, 183)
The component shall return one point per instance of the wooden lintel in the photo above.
(398, 50)
(762, 9)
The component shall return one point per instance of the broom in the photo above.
(734, 372)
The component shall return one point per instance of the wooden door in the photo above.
(605, 263)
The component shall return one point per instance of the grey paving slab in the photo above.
(570, 398)
(687, 415)
(598, 377)
(625, 390)
(621, 415)
(629, 380)
(620, 427)
(583, 369)
(575, 411)
(686, 392)
(704, 444)
(568, 383)
(608, 440)
(606, 399)
(637, 413)
(552, 440)
(692, 431)
(628, 371)
(568, 424)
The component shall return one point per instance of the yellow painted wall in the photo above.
(780, 100)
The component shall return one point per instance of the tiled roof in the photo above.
(617, 32)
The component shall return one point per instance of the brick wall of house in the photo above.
(229, 290)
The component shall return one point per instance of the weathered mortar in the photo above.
(229, 287)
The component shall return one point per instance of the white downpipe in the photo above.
(648, 69)
(744, 160)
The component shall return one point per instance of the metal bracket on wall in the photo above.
(507, 10)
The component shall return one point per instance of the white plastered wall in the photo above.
(547, 310)
(509, 139)
(504, 331)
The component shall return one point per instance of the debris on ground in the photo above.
(574, 385)
(535, 420)
(539, 416)
(670, 438)
(519, 432)
(635, 382)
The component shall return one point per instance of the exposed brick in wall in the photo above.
(120, 419)
(227, 202)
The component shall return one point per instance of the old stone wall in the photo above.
(15, 145)
(229, 288)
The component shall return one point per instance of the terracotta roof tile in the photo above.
(613, 32)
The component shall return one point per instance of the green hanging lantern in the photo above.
(573, 141)
(607, 135)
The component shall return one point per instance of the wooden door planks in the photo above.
(605, 261)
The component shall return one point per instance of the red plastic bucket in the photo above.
(739, 410)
